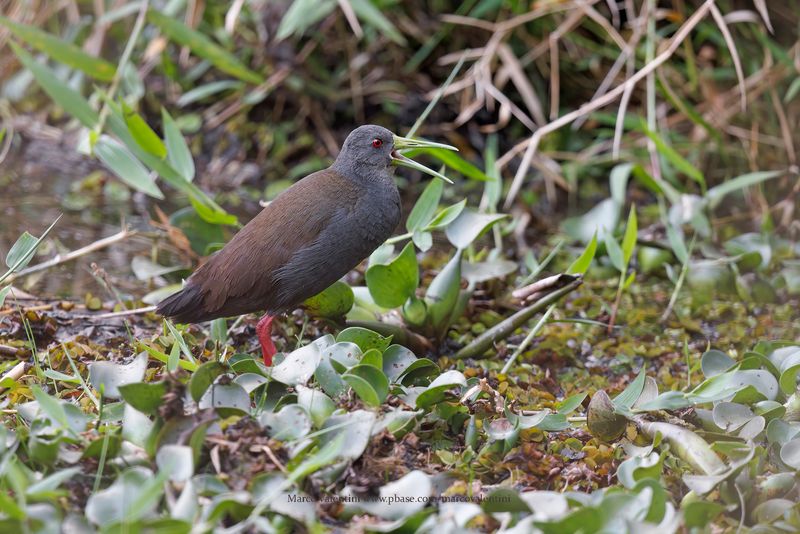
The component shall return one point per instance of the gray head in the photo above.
(366, 150)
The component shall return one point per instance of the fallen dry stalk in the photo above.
(535, 139)
(69, 256)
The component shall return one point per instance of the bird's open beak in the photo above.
(401, 143)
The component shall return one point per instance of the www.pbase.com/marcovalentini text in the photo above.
(393, 499)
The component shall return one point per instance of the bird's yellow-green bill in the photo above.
(401, 143)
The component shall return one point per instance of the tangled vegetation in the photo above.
(594, 330)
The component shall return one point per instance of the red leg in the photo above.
(264, 333)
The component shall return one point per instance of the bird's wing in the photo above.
(240, 277)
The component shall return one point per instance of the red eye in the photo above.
(376, 143)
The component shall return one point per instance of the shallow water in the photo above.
(42, 180)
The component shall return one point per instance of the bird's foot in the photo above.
(264, 333)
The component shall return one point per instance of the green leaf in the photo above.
(145, 397)
(425, 208)
(718, 192)
(303, 14)
(393, 283)
(21, 253)
(442, 294)
(203, 47)
(3, 293)
(62, 94)
(206, 90)
(365, 339)
(614, 252)
(125, 165)
(455, 162)
(676, 159)
(469, 225)
(203, 378)
(629, 239)
(582, 263)
(61, 50)
(366, 11)
(178, 153)
(369, 383)
(438, 390)
(446, 216)
(333, 302)
(632, 392)
(142, 133)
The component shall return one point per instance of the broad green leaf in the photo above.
(125, 165)
(425, 208)
(364, 338)
(62, 94)
(178, 153)
(582, 263)
(629, 239)
(202, 379)
(21, 252)
(469, 225)
(393, 283)
(599, 220)
(438, 390)
(446, 216)
(618, 182)
(145, 397)
(333, 302)
(369, 13)
(142, 133)
(442, 295)
(632, 392)
(61, 50)
(202, 46)
(107, 377)
(369, 383)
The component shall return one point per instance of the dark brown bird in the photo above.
(310, 236)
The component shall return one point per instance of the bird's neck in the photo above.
(363, 173)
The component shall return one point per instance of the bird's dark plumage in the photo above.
(311, 235)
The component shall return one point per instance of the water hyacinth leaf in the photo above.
(298, 366)
(369, 383)
(141, 132)
(250, 381)
(177, 461)
(700, 513)
(393, 283)
(328, 378)
(355, 427)
(447, 216)
(422, 240)
(203, 377)
(203, 47)
(582, 262)
(226, 399)
(469, 225)
(439, 389)
(790, 453)
(126, 166)
(107, 377)
(133, 495)
(364, 338)
(290, 423)
(178, 153)
(344, 355)
(63, 95)
(425, 208)
(636, 468)
(145, 397)
(396, 359)
(730, 416)
(418, 372)
(333, 302)
(714, 362)
(372, 357)
(414, 311)
(318, 405)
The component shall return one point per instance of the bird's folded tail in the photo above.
(185, 306)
